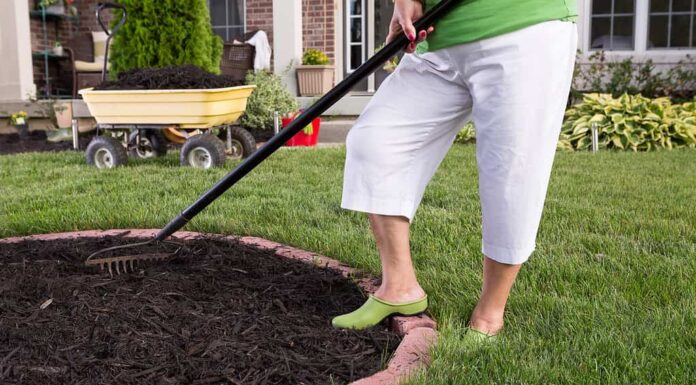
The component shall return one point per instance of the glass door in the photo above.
(383, 14)
(355, 41)
(366, 25)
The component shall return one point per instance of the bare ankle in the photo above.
(489, 322)
(401, 294)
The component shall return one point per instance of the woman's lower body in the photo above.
(514, 87)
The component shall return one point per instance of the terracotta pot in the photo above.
(58, 9)
(314, 80)
(64, 115)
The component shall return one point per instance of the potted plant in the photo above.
(57, 49)
(315, 76)
(71, 8)
(309, 134)
(19, 121)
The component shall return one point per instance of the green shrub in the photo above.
(466, 134)
(314, 57)
(599, 75)
(160, 33)
(270, 95)
(630, 122)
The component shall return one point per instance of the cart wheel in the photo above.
(203, 151)
(243, 143)
(106, 152)
(152, 144)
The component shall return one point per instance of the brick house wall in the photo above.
(63, 30)
(318, 24)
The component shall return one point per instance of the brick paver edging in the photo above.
(418, 332)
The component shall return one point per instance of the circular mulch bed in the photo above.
(221, 312)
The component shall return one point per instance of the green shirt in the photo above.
(480, 19)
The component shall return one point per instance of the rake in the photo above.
(119, 263)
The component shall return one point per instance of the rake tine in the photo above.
(111, 273)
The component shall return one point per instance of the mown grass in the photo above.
(609, 297)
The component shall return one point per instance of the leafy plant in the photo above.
(466, 134)
(164, 33)
(314, 57)
(46, 3)
(392, 63)
(601, 75)
(630, 122)
(269, 96)
(18, 118)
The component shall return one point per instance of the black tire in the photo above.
(152, 144)
(203, 151)
(243, 143)
(106, 152)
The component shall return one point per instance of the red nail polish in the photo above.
(411, 37)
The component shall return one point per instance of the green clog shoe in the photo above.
(374, 310)
(474, 336)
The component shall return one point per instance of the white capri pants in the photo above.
(514, 87)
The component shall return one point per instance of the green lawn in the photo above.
(608, 297)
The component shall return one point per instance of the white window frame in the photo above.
(666, 56)
(612, 16)
(348, 41)
(227, 24)
(669, 14)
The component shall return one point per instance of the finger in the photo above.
(430, 30)
(410, 48)
(408, 28)
(422, 35)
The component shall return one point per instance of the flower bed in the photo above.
(219, 312)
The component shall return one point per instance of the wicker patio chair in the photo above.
(238, 59)
(85, 71)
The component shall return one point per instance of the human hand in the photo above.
(406, 12)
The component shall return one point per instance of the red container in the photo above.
(302, 139)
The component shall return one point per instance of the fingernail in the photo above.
(411, 37)
(422, 34)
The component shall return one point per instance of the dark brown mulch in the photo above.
(167, 78)
(261, 135)
(219, 313)
(36, 142)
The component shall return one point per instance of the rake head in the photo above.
(127, 263)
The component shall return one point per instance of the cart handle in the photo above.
(109, 34)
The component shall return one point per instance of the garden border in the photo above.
(419, 333)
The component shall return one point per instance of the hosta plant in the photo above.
(466, 134)
(630, 122)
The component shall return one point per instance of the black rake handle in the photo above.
(109, 34)
(305, 118)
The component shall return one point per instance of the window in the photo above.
(227, 18)
(356, 46)
(612, 24)
(672, 24)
